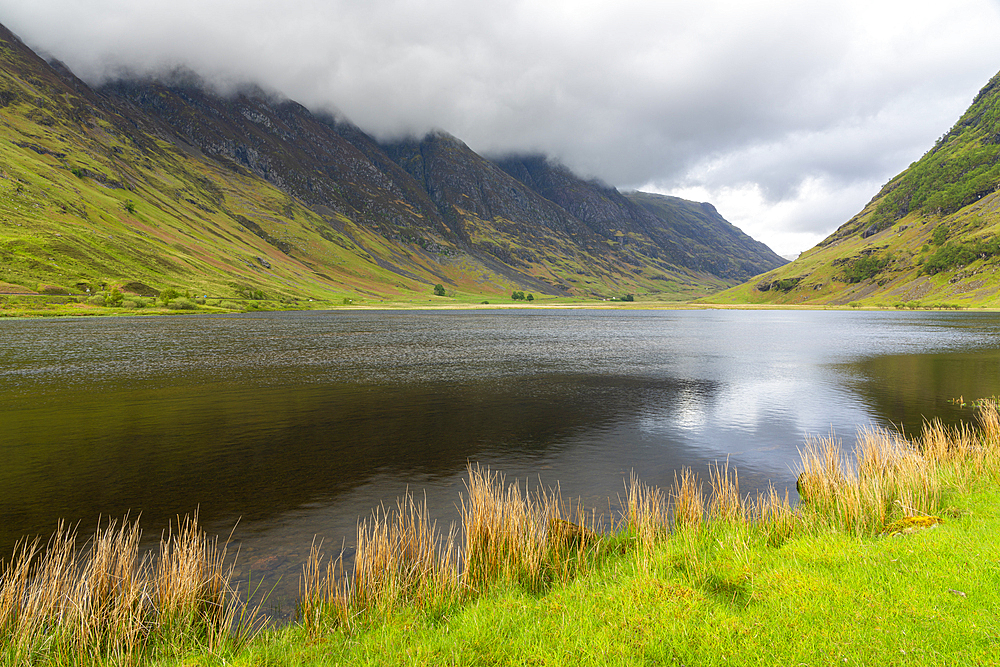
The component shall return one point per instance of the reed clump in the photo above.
(726, 503)
(646, 513)
(401, 555)
(890, 477)
(529, 538)
(688, 500)
(508, 534)
(323, 592)
(109, 604)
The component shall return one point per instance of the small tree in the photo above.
(530, 297)
(940, 235)
(114, 298)
(168, 294)
(439, 290)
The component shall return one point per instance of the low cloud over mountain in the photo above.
(787, 115)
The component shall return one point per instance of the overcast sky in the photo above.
(788, 115)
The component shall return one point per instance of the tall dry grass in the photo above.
(535, 538)
(688, 500)
(323, 591)
(510, 534)
(890, 477)
(726, 504)
(647, 514)
(109, 604)
(507, 534)
(402, 555)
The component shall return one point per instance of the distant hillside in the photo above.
(147, 185)
(667, 229)
(708, 239)
(931, 236)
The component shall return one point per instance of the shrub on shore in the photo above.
(182, 303)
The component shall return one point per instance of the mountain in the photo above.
(931, 236)
(668, 229)
(153, 184)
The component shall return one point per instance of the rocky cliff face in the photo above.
(667, 229)
(280, 141)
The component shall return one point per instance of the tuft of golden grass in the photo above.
(646, 512)
(402, 555)
(193, 593)
(688, 499)
(888, 478)
(111, 595)
(892, 477)
(726, 503)
(517, 536)
(507, 534)
(111, 604)
(989, 424)
(323, 592)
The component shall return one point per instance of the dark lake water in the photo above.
(297, 424)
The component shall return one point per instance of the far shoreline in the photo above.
(85, 310)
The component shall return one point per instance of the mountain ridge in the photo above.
(251, 193)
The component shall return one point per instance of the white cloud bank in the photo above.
(787, 115)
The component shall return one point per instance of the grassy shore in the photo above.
(890, 559)
(728, 599)
(41, 306)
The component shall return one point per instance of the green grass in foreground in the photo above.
(891, 559)
(929, 598)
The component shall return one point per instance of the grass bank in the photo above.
(42, 305)
(891, 558)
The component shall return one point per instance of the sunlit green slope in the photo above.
(930, 236)
(87, 199)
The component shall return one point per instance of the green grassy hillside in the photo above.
(88, 202)
(930, 237)
(148, 188)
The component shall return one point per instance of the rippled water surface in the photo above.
(296, 424)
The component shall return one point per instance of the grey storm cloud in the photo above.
(783, 113)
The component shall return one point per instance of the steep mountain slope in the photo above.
(709, 240)
(930, 236)
(434, 191)
(89, 197)
(285, 144)
(668, 229)
(499, 210)
(148, 185)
